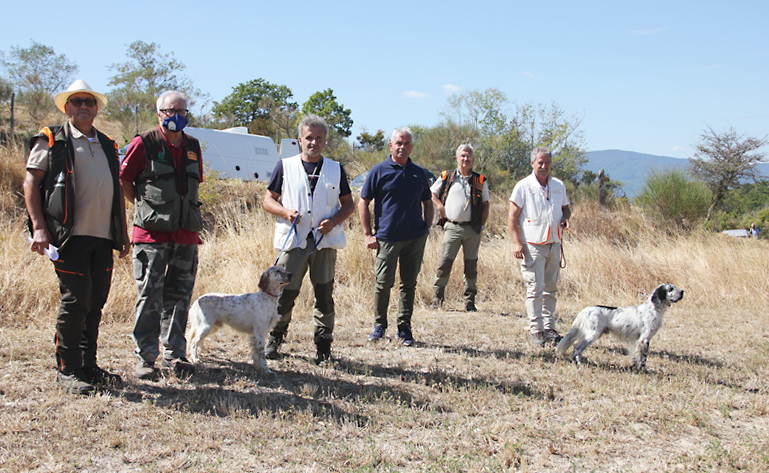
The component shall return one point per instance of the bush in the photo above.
(672, 197)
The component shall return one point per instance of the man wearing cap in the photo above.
(160, 175)
(461, 198)
(75, 203)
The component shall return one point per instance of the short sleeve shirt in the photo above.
(398, 192)
(133, 165)
(94, 187)
(457, 203)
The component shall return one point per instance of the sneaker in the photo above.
(538, 339)
(99, 377)
(146, 370)
(324, 351)
(75, 382)
(181, 367)
(271, 350)
(377, 334)
(404, 333)
(552, 336)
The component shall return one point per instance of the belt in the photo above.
(458, 223)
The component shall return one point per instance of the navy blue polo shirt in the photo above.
(398, 192)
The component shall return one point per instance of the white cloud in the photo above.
(679, 149)
(450, 89)
(648, 32)
(527, 74)
(413, 94)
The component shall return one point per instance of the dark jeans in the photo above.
(84, 269)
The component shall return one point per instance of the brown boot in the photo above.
(437, 303)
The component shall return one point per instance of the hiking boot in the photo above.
(75, 382)
(181, 367)
(437, 303)
(552, 336)
(146, 370)
(377, 334)
(404, 333)
(324, 351)
(99, 377)
(470, 303)
(538, 339)
(271, 350)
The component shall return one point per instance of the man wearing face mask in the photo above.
(160, 175)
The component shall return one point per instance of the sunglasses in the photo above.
(78, 102)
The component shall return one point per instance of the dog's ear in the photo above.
(264, 281)
(660, 294)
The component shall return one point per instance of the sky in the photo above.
(645, 76)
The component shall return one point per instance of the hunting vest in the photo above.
(167, 198)
(476, 195)
(57, 190)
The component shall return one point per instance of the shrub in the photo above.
(672, 197)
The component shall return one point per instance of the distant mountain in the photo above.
(631, 168)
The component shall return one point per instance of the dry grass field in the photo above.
(471, 395)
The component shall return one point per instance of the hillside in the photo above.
(631, 168)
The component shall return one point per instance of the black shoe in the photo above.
(404, 333)
(552, 336)
(99, 377)
(324, 351)
(75, 382)
(470, 307)
(271, 350)
(181, 367)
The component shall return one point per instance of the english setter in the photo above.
(254, 313)
(635, 325)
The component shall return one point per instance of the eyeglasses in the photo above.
(78, 102)
(175, 111)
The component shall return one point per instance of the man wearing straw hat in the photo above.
(77, 217)
(160, 174)
(310, 196)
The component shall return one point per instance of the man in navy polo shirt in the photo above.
(403, 214)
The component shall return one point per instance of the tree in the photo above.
(504, 136)
(140, 81)
(369, 142)
(37, 73)
(324, 104)
(723, 160)
(259, 105)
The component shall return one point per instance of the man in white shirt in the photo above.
(539, 211)
(461, 198)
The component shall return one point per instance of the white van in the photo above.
(235, 154)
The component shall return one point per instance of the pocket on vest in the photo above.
(156, 216)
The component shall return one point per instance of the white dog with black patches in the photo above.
(635, 325)
(254, 313)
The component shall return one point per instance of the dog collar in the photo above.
(273, 295)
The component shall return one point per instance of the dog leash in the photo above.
(296, 239)
(645, 295)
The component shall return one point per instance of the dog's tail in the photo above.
(193, 316)
(568, 339)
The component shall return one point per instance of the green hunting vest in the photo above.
(167, 199)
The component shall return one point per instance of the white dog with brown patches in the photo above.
(254, 313)
(634, 325)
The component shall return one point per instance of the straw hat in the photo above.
(79, 86)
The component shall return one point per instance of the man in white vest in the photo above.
(539, 211)
(311, 197)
